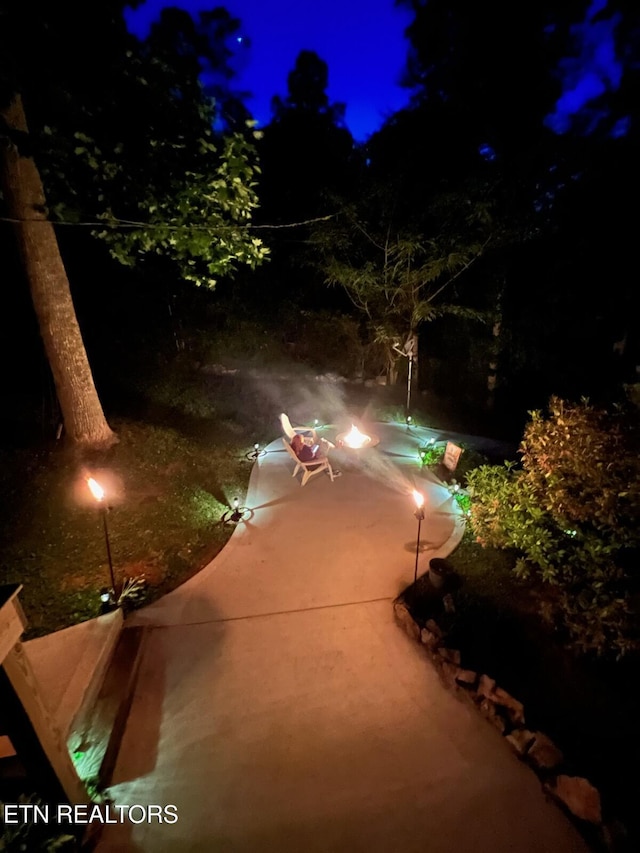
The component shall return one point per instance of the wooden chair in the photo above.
(290, 431)
(309, 469)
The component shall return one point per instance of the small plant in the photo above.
(463, 500)
(38, 837)
(431, 454)
(133, 592)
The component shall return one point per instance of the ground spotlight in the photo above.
(256, 452)
(234, 513)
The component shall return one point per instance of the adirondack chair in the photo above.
(290, 431)
(309, 469)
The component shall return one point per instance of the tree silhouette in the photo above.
(45, 272)
(307, 157)
(396, 278)
(188, 196)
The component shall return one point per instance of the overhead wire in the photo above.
(129, 223)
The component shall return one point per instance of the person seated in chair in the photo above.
(304, 452)
(318, 452)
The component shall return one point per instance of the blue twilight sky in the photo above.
(362, 41)
(591, 69)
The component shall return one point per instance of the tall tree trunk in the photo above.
(392, 368)
(494, 354)
(84, 419)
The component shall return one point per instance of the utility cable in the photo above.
(129, 224)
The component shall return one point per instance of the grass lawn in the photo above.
(168, 491)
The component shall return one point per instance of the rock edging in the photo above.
(576, 795)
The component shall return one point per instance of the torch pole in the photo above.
(419, 516)
(106, 539)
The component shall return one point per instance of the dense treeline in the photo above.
(493, 222)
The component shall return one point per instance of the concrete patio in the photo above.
(280, 708)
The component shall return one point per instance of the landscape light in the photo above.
(236, 514)
(256, 452)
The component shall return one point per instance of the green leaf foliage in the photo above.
(125, 134)
(398, 271)
(199, 219)
(572, 511)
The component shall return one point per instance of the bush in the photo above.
(432, 455)
(572, 512)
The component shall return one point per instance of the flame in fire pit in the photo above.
(355, 438)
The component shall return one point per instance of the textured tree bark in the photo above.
(492, 375)
(84, 419)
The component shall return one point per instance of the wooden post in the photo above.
(37, 740)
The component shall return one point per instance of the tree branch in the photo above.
(461, 270)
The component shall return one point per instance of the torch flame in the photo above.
(355, 438)
(96, 489)
(418, 498)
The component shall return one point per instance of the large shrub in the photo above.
(572, 511)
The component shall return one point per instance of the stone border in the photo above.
(575, 794)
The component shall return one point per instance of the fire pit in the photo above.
(353, 439)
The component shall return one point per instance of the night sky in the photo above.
(590, 69)
(361, 40)
(363, 43)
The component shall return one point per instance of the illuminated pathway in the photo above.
(280, 707)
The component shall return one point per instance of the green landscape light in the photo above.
(107, 600)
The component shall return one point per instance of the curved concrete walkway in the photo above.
(280, 708)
